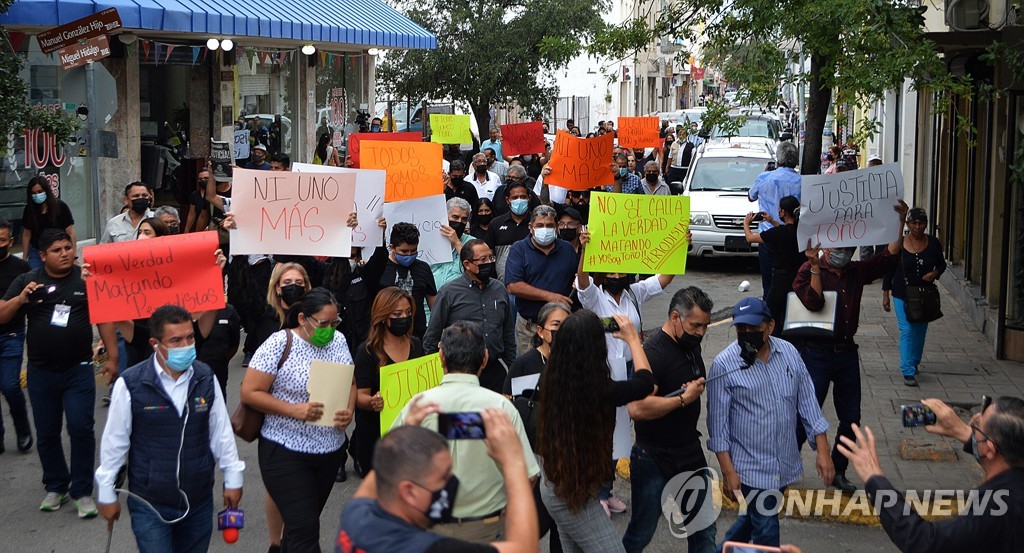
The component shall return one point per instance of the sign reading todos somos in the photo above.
(853, 208)
(131, 279)
(292, 213)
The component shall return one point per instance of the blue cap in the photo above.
(750, 311)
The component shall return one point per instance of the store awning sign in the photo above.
(92, 26)
(84, 52)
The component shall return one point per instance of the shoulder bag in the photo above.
(246, 421)
(923, 304)
(528, 405)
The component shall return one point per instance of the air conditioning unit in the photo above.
(970, 15)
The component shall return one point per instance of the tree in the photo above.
(16, 114)
(496, 53)
(857, 49)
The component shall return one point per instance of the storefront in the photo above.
(179, 75)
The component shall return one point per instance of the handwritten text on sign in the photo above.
(369, 200)
(131, 279)
(639, 132)
(292, 213)
(630, 233)
(429, 215)
(401, 381)
(414, 168)
(355, 139)
(853, 208)
(450, 129)
(522, 138)
(581, 163)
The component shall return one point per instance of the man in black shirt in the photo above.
(455, 185)
(401, 268)
(510, 227)
(60, 372)
(991, 520)
(667, 439)
(12, 345)
(220, 346)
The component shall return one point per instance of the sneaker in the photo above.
(909, 381)
(53, 501)
(615, 505)
(25, 443)
(246, 359)
(604, 503)
(86, 507)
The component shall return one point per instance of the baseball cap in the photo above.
(917, 214)
(875, 157)
(259, 147)
(750, 311)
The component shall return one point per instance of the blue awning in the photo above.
(357, 22)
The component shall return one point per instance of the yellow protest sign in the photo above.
(450, 129)
(400, 381)
(630, 233)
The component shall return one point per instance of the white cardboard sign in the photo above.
(429, 214)
(853, 208)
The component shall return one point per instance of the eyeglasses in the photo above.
(975, 428)
(488, 259)
(325, 324)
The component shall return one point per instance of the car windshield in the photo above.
(752, 128)
(726, 174)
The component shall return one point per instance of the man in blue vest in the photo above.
(168, 420)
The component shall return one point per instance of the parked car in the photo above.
(717, 183)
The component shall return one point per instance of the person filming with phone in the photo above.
(995, 437)
(479, 514)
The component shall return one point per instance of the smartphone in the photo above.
(758, 217)
(41, 292)
(737, 547)
(609, 324)
(461, 426)
(985, 402)
(917, 415)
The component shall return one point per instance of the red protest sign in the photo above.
(354, 139)
(581, 163)
(131, 279)
(639, 132)
(522, 138)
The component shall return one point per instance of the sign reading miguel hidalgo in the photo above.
(853, 208)
(91, 26)
(84, 52)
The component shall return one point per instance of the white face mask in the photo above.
(544, 236)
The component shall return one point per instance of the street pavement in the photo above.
(958, 367)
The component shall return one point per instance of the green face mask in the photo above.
(321, 336)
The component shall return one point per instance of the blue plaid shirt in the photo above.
(631, 184)
(752, 414)
(769, 188)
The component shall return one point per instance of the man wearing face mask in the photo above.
(505, 230)
(835, 360)
(516, 175)
(758, 391)
(125, 226)
(400, 267)
(259, 158)
(478, 296)
(569, 222)
(626, 181)
(539, 270)
(654, 185)
(167, 415)
(478, 515)
(667, 439)
(455, 232)
(412, 487)
(995, 437)
(456, 186)
(170, 217)
(495, 165)
(486, 182)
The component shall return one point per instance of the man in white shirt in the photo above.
(168, 419)
(486, 182)
(125, 226)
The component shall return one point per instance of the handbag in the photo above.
(246, 422)
(528, 405)
(806, 324)
(923, 304)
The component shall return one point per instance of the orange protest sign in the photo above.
(354, 140)
(131, 279)
(639, 132)
(522, 138)
(581, 163)
(414, 169)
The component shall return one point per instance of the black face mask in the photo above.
(616, 285)
(689, 341)
(173, 230)
(480, 169)
(290, 293)
(484, 219)
(750, 343)
(140, 205)
(399, 326)
(568, 234)
(651, 178)
(458, 180)
(458, 226)
(4, 251)
(442, 502)
(486, 271)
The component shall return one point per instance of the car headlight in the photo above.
(700, 219)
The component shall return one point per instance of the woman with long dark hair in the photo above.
(390, 341)
(787, 259)
(483, 214)
(325, 154)
(576, 422)
(42, 211)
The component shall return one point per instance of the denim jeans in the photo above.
(11, 348)
(843, 370)
(911, 339)
(153, 535)
(765, 260)
(69, 394)
(760, 523)
(33, 259)
(647, 481)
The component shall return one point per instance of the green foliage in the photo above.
(498, 53)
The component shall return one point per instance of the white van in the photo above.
(718, 181)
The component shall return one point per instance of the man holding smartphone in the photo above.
(479, 515)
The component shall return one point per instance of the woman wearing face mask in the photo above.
(390, 341)
(298, 459)
(483, 213)
(835, 153)
(42, 211)
(549, 318)
(787, 259)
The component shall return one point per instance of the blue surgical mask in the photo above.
(180, 359)
(405, 260)
(519, 206)
(623, 171)
(39, 198)
(544, 236)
